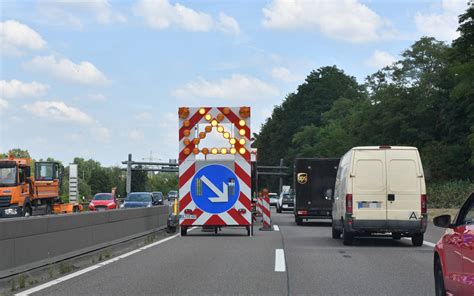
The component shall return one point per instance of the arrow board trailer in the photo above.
(214, 182)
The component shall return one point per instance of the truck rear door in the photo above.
(369, 193)
(403, 185)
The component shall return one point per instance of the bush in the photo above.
(450, 194)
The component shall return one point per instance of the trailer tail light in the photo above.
(349, 203)
(242, 211)
(423, 204)
(188, 211)
(303, 212)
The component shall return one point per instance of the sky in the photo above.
(100, 79)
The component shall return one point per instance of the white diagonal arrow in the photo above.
(221, 196)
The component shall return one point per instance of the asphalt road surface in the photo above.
(232, 264)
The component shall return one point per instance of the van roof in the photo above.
(379, 147)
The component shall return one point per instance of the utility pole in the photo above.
(129, 174)
(281, 178)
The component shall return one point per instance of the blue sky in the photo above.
(100, 79)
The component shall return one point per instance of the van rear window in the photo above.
(369, 176)
(402, 176)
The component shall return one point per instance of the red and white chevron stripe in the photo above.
(191, 215)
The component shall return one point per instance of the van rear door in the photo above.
(403, 185)
(369, 193)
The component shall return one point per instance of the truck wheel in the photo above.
(48, 209)
(184, 231)
(27, 211)
(299, 221)
(417, 239)
(336, 234)
(347, 238)
(439, 278)
(396, 236)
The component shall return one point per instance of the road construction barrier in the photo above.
(259, 206)
(266, 218)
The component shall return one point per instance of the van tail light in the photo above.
(188, 211)
(349, 203)
(423, 204)
(302, 212)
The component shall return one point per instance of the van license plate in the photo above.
(285, 206)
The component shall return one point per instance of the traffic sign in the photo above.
(215, 189)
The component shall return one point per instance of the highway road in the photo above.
(311, 263)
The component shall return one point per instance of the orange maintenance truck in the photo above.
(23, 195)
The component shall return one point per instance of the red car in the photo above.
(103, 201)
(454, 253)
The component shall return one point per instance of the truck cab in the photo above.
(21, 195)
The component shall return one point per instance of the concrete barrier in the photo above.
(31, 242)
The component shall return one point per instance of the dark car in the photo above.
(286, 202)
(454, 252)
(173, 194)
(139, 200)
(158, 195)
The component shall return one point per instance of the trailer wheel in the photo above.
(347, 237)
(215, 229)
(396, 235)
(184, 231)
(75, 209)
(336, 234)
(248, 230)
(417, 239)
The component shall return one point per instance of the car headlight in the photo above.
(122, 205)
(110, 204)
(149, 205)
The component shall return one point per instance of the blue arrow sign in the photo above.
(215, 189)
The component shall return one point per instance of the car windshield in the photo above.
(7, 176)
(139, 197)
(286, 196)
(173, 193)
(103, 197)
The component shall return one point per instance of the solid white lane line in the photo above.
(280, 260)
(90, 268)
(426, 243)
(276, 228)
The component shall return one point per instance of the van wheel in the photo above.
(417, 239)
(439, 279)
(347, 238)
(299, 221)
(184, 231)
(336, 234)
(278, 210)
(396, 236)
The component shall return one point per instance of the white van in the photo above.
(380, 189)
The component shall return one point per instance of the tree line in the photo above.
(425, 99)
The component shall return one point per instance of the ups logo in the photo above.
(302, 178)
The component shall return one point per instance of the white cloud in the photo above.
(74, 13)
(228, 24)
(442, 25)
(346, 20)
(380, 59)
(237, 87)
(14, 89)
(97, 97)
(16, 37)
(57, 111)
(102, 134)
(136, 135)
(62, 68)
(160, 14)
(284, 74)
(3, 104)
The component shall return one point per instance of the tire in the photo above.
(439, 278)
(396, 236)
(248, 230)
(299, 221)
(184, 231)
(347, 237)
(49, 209)
(336, 234)
(417, 239)
(27, 211)
(215, 230)
(278, 210)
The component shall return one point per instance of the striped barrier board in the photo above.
(214, 182)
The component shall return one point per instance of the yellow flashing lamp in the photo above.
(226, 135)
(214, 122)
(242, 132)
(233, 150)
(220, 129)
(214, 150)
(223, 150)
(242, 122)
(232, 141)
(208, 117)
(242, 141)
(242, 150)
(202, 111)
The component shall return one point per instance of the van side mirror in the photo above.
(443, 221)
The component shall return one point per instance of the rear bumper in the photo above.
(382, 226)
(315, 214)
(11, 212)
